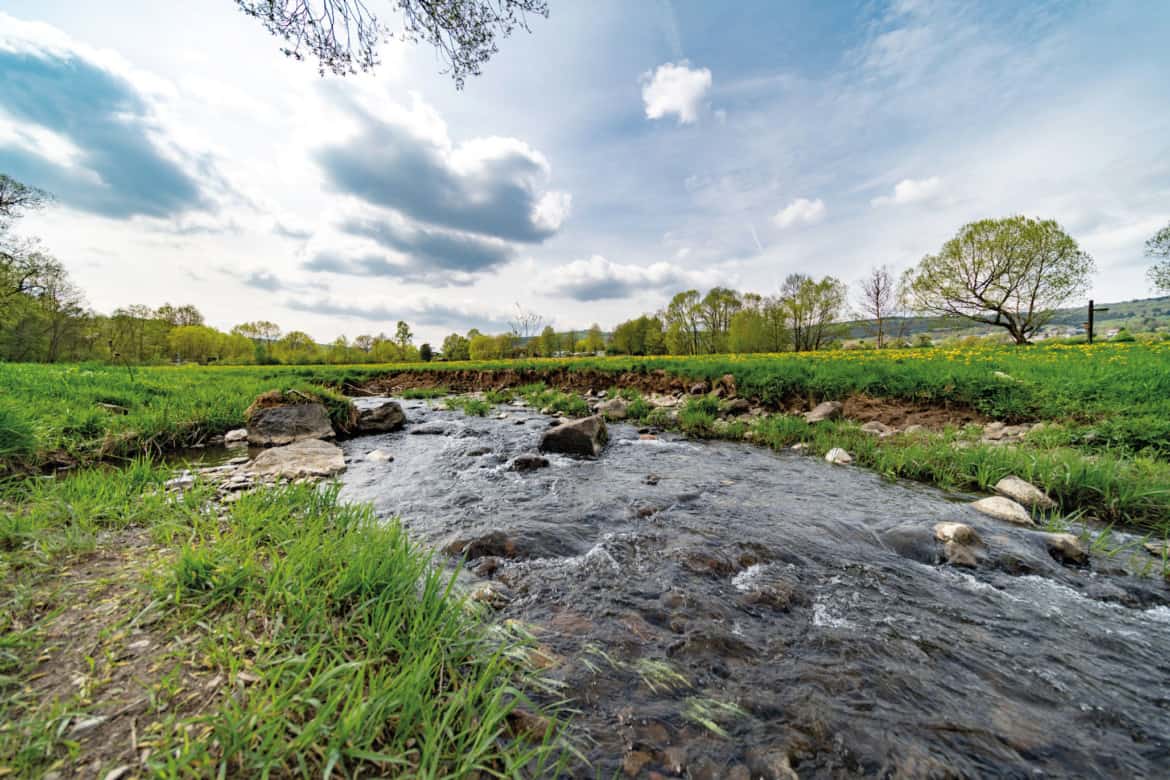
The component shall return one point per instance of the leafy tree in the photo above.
(683, 318)
(197, 343)
(594, 339)
(177, 316)
(1159, 247)
(403, 336)
(640, 336)
(344, 35)
(424, 353)
(569, 341)
(455, 347)
(549, 343)
(483, 347)
(810, 308)
(16, 198)
(715, 312)
(1011, 273)
(878, 302)
(759, 326)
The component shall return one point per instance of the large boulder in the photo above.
(1024, 493)
(380, 418)
(829, 410)
(578, 437)
(305, 458)
(277, 425)
(1003, 509)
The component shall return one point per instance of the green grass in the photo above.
(412, 393)
(1111, 397)
(340, 648)
(473, 407)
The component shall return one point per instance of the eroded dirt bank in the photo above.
(862, 408)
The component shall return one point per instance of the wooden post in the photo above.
(1090, 321)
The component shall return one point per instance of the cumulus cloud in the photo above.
(801, 211)
(675, 89)
(403, 159)
(82, 125)
(910, 191)
(596, 278)
(426, 248)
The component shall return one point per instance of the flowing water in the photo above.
(686, 588)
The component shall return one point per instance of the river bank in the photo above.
(176, 612)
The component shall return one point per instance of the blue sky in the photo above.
(620, 152)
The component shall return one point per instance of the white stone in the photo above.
(1003, 509)
(1024, 493)
(305, 458)
(238, 436)
(956, 532)
(838, 456)
(379, 456)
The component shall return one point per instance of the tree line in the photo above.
(1009, 273)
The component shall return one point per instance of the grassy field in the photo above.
(1114, 397)
(291, 636)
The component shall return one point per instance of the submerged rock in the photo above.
(1066, 548)
(386, 416)
(961, 544)
(279, 425)
(496, 544)
(528, 461)
(1003, 509)
(828, 410)
(306, 458)
(379, 456)
(838, 456)
(956, 532)
(578, 437)
(236, 437)
(1024, 493)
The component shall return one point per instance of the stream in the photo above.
(716, 609)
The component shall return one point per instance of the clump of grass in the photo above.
(698, 416)
(17, 438)
(471, 406)
(415, 393)
(503, 396)
(369, 663)
(542, 397)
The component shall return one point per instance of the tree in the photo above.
(177, 316)
(1010, 273)
(1159, 247)
(16, 198)
(715, 312)
(641, 336)
(549, 343)
(195, 342)
(594, 339)
(483, 347)
(878, 300)
(526, 324)
(810, 308)
(682, 320)
(759, 326)
(424, 352)
(344, 35)
(455, 347)
(403, 337)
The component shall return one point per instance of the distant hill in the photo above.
(1143, 314)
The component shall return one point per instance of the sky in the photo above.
(620, 152)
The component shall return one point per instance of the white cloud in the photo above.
(675, 89)
(801, 211)
(597, 279)
(910, 191)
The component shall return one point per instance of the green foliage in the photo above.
(1010, 273)
(360, 657)
(424, 392)
(473, 407)
(502, 396)
(17, 439)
